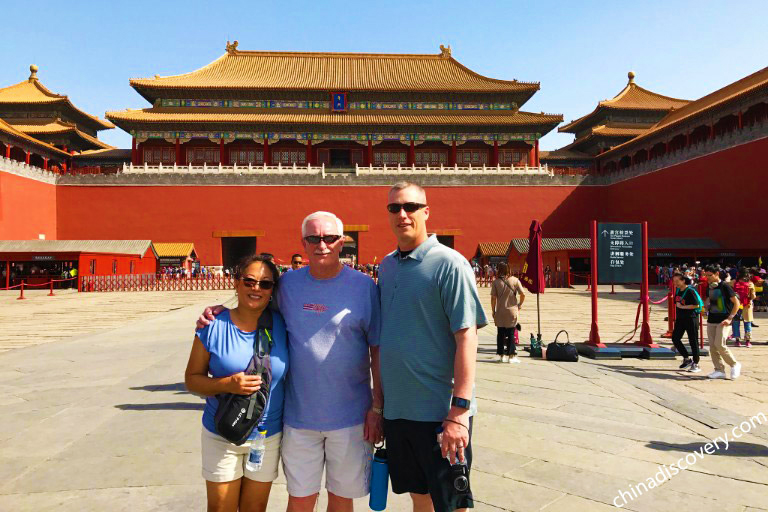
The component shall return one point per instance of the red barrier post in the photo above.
(594, 335)
(589, 282)
(51, 292)
(645, 331)
(613, 292)
(21, 296)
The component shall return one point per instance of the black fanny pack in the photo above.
(237, 415)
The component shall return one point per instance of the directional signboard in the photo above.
(619, 253)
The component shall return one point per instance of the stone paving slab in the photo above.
(98, 418)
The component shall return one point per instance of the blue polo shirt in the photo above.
(425, 298)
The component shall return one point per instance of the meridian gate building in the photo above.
(232, 156)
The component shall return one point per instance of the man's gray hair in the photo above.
(321, 215)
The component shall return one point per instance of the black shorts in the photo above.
(416, 464)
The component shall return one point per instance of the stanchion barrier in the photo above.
(671, 311)
(21, 296)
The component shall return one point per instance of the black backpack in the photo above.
(237, 415)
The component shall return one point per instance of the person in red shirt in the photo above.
(746, 292)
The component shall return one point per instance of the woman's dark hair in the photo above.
(684, 278)
(502, 269)
(744, 274)
(247, 261)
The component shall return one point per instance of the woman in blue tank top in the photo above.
(220, 354)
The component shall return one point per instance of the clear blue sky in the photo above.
(579, 51)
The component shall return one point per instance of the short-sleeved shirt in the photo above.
(230, 352)
(426, 297)
(506, 292)
(686, 297)
(720, 304)
(331, 324)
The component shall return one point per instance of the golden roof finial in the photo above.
(445, 52)
(631, 76)
(33, 72)
(232, 47)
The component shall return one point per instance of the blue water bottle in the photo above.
(379, 481)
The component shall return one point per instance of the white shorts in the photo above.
(344, 452)
(225, 462)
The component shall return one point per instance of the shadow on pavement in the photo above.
(179, 387)
(735, 449)
(169, 406)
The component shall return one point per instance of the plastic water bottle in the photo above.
(256, 455)
(379, 481)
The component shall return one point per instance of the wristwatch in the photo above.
(378, 410)
(461, 403)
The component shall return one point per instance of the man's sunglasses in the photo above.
(328, 239)
(264, 284)
(408, 207)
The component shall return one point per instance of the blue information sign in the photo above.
(619, 253)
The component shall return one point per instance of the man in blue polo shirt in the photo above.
(430, 314)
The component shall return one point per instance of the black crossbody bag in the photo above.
(237, 415)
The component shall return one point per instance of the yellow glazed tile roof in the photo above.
(10, 130)
(174, 249)
(731, 91)
(632, 97)
(31, 91)
(176, 115)
(335, 72)
(493, 248)
(56, 127)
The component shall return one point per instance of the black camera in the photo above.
(460, 475)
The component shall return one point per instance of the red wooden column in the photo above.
(687, 140)
(712, 131)
(134, 152)
(45, 163)
(411, 154)
(267, 159)
(452, 159)
(370, 152)
(7, 274)
(536, 149)
(8, 151)
(26, 157)
(178, 152)
(741, 120)
(309, 152)
(531, 156)
(495, 159)
(222, 155)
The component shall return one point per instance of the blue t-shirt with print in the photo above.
(230, 352)
(331, 325)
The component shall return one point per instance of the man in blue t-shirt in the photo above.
(430, 313)
(331, 416)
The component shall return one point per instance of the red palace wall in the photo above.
(27, 208)
(719, 196)
(193, 213)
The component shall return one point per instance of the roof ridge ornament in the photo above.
(631, 76)
(232, 47)
(33, 72)
(445, 52)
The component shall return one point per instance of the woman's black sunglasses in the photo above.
(408, 207)
(328, 239)
(264, 285)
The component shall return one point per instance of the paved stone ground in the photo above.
(97, 418)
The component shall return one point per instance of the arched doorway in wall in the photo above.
(235, 245)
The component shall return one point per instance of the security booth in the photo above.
(176, 255)
(36, 262)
